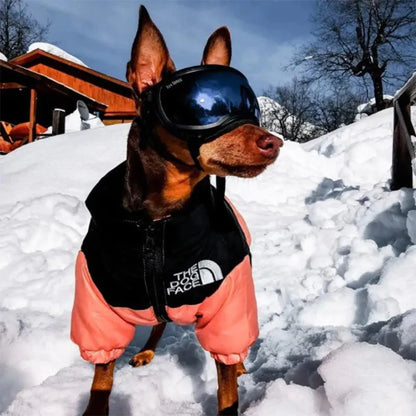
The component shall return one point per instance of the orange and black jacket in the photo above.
(167, 266)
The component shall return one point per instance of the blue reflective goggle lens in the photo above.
(206, 96)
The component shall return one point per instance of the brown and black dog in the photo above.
(162, 187)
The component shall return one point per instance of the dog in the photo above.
(163, 243)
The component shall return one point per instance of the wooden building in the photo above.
(114, 93)
(29, 98)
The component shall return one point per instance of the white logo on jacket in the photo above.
(202, 273)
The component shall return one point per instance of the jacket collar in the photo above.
(105, 200)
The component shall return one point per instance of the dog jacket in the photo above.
(193, 267)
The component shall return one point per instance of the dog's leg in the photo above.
(227, 389)
(100, 390)
(241, 369)
(146, 354)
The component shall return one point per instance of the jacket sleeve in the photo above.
(227, 323)
(96, 328)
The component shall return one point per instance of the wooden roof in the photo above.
(38, 54)
(115, 93)
(15, 76)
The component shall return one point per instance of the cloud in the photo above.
(100, 32)
(264, 61)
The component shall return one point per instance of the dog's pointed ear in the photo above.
(218, 48)
(150, 58)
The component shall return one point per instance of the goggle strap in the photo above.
(219, 205)
(220, 182)
(193, 147)
(162, 151)
(147, 138)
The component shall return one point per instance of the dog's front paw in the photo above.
(142, 358)
(229, 411)
(98, 404)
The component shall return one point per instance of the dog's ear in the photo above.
(218, 48)
(150, 58)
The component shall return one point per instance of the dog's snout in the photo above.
(269, 144)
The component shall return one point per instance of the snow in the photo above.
(271, 112)
(283, 399)
(3, 57)
(73, 122)
(356, 383)
(268, 110)
(334, 264)
(368, 107)
(54, 50)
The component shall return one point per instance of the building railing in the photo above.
(403, 131)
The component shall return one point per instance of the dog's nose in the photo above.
(269, 144)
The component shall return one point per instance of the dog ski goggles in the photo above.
(202, 102)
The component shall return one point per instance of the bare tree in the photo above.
(18, 29)
(301, 111)
(362, 38)
(336, 106)
(293, 113)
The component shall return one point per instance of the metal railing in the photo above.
(403, 130)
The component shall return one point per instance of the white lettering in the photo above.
(173, 83)
(199, 274)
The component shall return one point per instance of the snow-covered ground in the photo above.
(334, 269)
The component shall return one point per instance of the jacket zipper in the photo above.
(153, 261)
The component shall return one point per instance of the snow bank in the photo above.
(368, 108)
(333, 261)
(395, 292)
(356, 384)
(54, 50)
(293, 400)
(67, 164)
(397, 334)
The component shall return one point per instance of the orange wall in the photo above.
(116, 102)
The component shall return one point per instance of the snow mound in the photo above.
(354, 384)
(368, 108)
(54, 50)
(283, 399)
(357, 385)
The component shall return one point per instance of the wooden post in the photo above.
(402, 162)
(58, 121)
(32, 114)
(403, 130)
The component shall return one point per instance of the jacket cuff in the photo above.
(101, 356)
(230, 358)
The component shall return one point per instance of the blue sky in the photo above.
(264, 34)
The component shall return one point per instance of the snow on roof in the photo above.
(54, 50)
